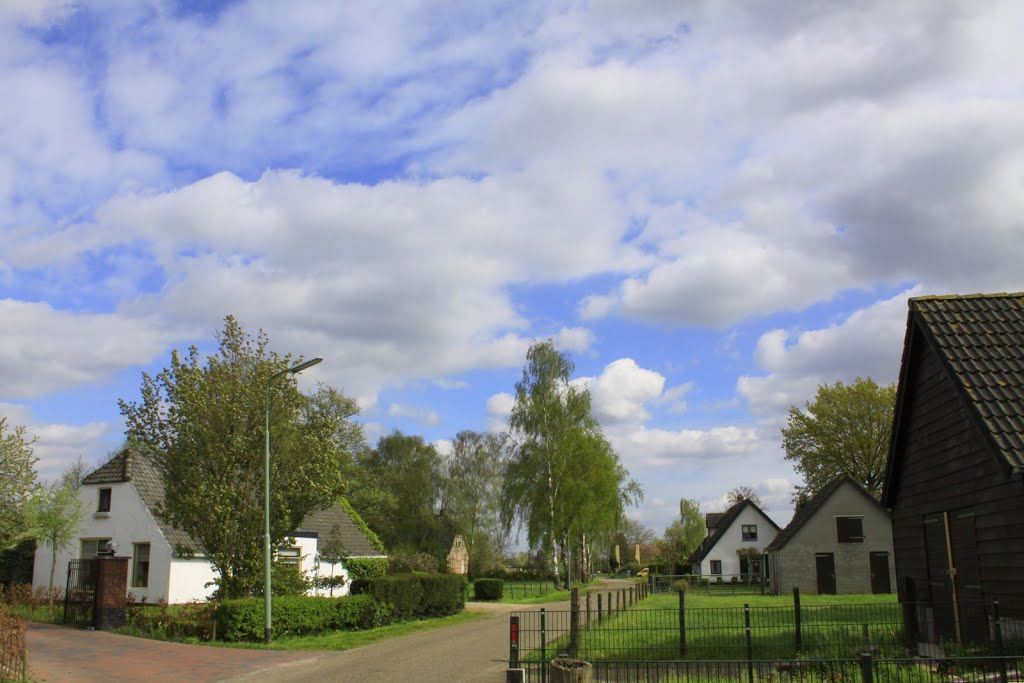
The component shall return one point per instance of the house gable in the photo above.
(722, 544)
(854, 501)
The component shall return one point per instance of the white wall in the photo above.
(732, 539)
(128, 522)
(189, 579)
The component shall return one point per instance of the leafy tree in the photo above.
(17, 482)
(741, 493)
(844, 430)
(472, 494)
(201, 421)
(562, 479)
(396, 488)
(54, 515)
(684, 535)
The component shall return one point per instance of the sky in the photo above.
(713, 207)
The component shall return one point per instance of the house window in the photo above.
(290, 555)
(750, 566)
(94, 547)
(749, 532)
(850, 529)
(716, 567)
(104, 503)
(140, 565)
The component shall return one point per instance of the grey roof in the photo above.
(726, 521)
(811, 507)
(713, 519)
(134, 466)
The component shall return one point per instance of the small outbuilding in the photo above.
(955, 475)
(840, 541)
(458, 557)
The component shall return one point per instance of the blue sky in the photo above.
(712, 206)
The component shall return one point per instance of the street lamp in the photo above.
(266, 497)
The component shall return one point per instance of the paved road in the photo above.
(473, 651)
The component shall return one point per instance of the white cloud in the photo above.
(58, 445)
(622, 390)
(424, 416)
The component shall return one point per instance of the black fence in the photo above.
(80, 594)
(719, 584)
(866, 668)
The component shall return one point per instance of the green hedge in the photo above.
(416, 595)
(242, 620)
(366, 567)
(488, 589)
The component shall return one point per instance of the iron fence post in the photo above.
(998, 626)
(574, 623)
(543, 646)
(600, 612)
(750, 643)
(588, 610)
(682, 623)
(867, 672)
(513, 653)
(797, 618)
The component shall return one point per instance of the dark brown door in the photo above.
(826, 566)
(954, 576)
(879, 563)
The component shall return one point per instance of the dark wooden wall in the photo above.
(947, 464)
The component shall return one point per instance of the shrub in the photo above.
(443, 594)
(12, 646)
(488, 589)
(733, 579)
(366, 567)
(298, 615)
(406, 561)
(403, 593)
(191, 620)
(718, 579)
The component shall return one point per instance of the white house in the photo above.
(119, 499)
(742, 526)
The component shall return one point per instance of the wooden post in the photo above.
(588, 610)
(682, 623)
(600, 614)
(797, 618)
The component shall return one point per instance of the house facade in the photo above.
(955, 473)
(165, 563)
(840, 541)
(745, 527)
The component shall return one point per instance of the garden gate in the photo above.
(80, 594)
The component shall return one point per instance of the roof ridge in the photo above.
(977, 295)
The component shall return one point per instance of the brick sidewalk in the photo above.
(58, 653)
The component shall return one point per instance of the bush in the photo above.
(718, 579)
(733, 579)
(366, 567)
(12, 646)
(405, 561)
(404, 593)
(416, 595)
(488, 589)
(242, 620)
(191, 620)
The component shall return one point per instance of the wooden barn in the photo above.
(955, 474)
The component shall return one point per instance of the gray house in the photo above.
(840, 541)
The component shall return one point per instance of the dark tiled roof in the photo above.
(726, 520)
(981, 339)
(136, 467)
(713, 519)
(811, 507)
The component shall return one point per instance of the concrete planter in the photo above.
(565, 670)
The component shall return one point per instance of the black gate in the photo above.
(80, 594)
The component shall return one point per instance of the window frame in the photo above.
(712, 565)
(105, 499)
(747, 534)
(290, 554)
(849, 536)
(137, 562)
(99, 553)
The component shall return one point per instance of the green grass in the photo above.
(831, 626)
(532, 592)
(41, 613)
(337, 640)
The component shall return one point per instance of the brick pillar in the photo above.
(111, 593)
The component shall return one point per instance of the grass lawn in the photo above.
(715, 628)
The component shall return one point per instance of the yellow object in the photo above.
(638, 553)
(618, 560)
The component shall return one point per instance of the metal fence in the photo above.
(80, 594)
(719, 584)
(865, 668)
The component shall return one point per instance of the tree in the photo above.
(201, 422)
(741, 493)
(472, 493)
(684, 535)
(845, 430)
(397, 491)
(17, 482)
(54, 514)
(562, 481)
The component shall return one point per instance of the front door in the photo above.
(879, 563)
(825, 564)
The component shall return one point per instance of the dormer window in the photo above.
(104, 502)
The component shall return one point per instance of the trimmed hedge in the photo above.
(488, 589)
(366, 567)
(298, 615)
(416, 595)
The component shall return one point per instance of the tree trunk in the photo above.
(53, 566)
(565, 670)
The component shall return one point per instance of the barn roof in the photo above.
(979, 338)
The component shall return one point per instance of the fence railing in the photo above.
(866, 668)
(718, 584)
(80, 592)
(608, 631)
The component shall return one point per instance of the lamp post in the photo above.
(266, 496)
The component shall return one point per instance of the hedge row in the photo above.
(416, 595)
(488, 589)
(299, 615)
